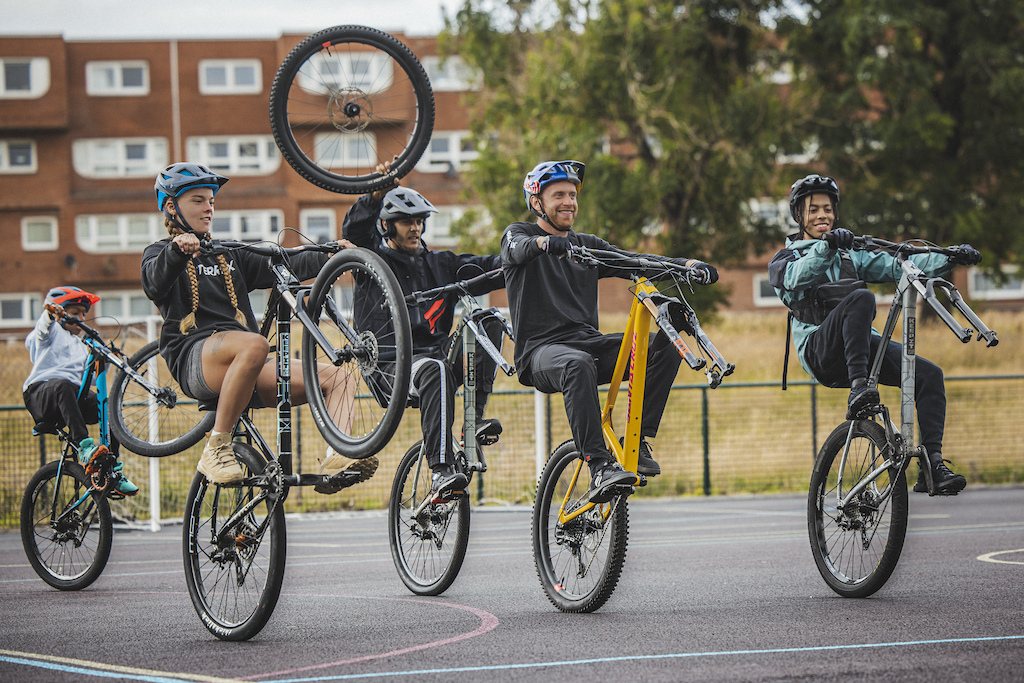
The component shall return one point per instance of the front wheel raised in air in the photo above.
(428, 539)
(856, 540)
(579, 560)
(234, 548)
(345, 99)
(65, 527)
(357, 373)
(154, 419)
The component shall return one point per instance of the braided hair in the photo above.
(188, 323)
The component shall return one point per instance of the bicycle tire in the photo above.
(553, 568)
(149, 427)
(427, 557)
(853, 564)
(334, 92)
(68, 554)
(211, 566)
(358, 305)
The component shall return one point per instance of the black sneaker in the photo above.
(609, 480)
(488, 431)
(646, 463)
(861, 398)
(446, 481)
(947, 482)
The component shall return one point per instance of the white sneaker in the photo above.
(218, 463)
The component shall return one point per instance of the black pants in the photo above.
(576, 368)
(839, 351)
(434, 383)
(56, 402)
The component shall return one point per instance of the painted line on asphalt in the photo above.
(991, 557)
(102, 670)
(641, 658)
(488, 622)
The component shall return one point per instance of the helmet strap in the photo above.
(176, 218)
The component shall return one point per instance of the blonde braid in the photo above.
(226, 271)
(188, 323)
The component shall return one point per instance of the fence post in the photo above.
(541, 432)
(706, 434)
(814, 421)
(154, 463)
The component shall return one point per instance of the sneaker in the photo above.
(947, 482)
(608, 480)
(445, 481)
(344, 472)
(861, 398)
(124, 486)
(488, 431)
(86, 449)
(218, 463)
(646, 464)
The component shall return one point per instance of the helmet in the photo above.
(805, 187)
(403, 202)
(66, 295)
(178, 178)
(547, 172)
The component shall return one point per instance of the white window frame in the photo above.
(453, 159)
(305, 215)
(446, 214)
(268, 159)
(90, 229)
(230, 225)
(31, 305)
(760, 300)
(310, 77)
(1000, 294)
(38, 78)
(5, 157)
(87, 156)
(450, 74)
(231, 87)
(50, 244)
(124, 296)
(95, 85)
(330, 141)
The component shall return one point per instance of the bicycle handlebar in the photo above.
(270, 249)
(615, 259)
(461, 285)
(61, 315)
(869, 243)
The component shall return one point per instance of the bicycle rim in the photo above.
(428, 548)
(345, 99)
(358, 402)
(155, 426)
(234, 567)
(66, 532)
(578, 562)
(856, 548)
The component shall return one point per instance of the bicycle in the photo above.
(428, 536)
(345, 97)
(66, 526)
(234, 535)
(857, 504)
(579, 546)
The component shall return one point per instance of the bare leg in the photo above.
(232, 362)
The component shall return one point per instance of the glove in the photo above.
(966, 255)
(839, 238)
(704, 273)
(556, 246)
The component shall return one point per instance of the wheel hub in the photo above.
(350, 110)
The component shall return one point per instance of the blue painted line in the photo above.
(638, 658)
(53, 666)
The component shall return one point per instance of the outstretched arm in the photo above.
(519, 247)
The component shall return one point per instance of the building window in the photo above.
(448, 152)
(39, 233)
(17, 156)
(230, 77)
(248, 155)
(317, 224)
(370, 72)
(338, 150)
(24, 77)
(19, 310)
(119, 157)
(764, 293)
(984, 286)
(450, 74)
(771, 212)
(113, 233)
(248, 225)
(125, 306)
(439, 226)
(117, 78)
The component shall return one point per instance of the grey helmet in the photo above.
(178, 178)
(403, 202)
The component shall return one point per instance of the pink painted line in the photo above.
(488, 622)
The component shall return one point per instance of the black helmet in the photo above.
(805, 187)
(403, 202)
(178, 178)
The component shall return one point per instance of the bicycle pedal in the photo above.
(642, 480)
(448, 496)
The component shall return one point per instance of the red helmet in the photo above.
(67, 295)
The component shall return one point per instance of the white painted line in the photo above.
(991, 557)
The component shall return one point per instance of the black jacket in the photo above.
(431, 322)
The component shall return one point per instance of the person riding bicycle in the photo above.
(210, 338)
(553, 302)
(392, 223)
(821, 280)
(51, 391)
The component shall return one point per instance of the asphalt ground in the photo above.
(721, 589)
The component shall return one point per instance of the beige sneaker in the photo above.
(218, 463)
(334, 463)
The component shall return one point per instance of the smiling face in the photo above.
(196, 207)
(819, 216)
(559, 202)
(407, 234)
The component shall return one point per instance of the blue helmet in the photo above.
(805, 187)
(181, 177)
(547, 172)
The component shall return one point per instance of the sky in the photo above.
(197, 19)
